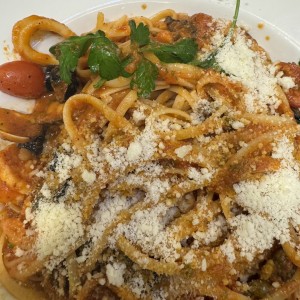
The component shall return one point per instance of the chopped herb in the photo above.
(210, 61)
(139, 34)
(144, 78)
(299, 63)
(104, 58)
(10, 245)
(182, 51)
(68, 53)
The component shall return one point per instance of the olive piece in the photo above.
(61, 89)
(35, 146)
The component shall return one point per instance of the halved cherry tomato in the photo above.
(22, 79)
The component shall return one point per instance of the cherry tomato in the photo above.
(22, 79)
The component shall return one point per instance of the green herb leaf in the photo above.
(140, 34)
(182, 51)
(144, 78)
(69, 51)
(209, 63)
(104, 58)
(10, 245)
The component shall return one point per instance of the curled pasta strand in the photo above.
(116, 120)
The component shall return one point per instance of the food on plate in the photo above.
(161, 161)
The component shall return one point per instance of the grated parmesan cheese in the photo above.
(146, 229)
(19, 252)
(273, 203)
(63, 163)
(139, 115)
(59, 227)
(115, 273)
(200, 176)
(107, 212)
(189, 257)
(182, 151)
(88, 177)
(215, 230)
(203, 265)
(228, 250)
(134, 151)
(285, 82)
(237, 125)
(137, 285)
(252, 70)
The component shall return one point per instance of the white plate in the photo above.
(280, 35)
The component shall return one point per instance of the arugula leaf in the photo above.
(140, 34)
(68, 53)
(144, 78)
(210, 61)
(182, 51)
(104, 58)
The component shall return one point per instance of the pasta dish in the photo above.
(161, 161)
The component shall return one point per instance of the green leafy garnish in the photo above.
(182, 51)
(144, 78)
(104, 58)
(10, 245)
(68, 53)
(139, 34)
(210, 61)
